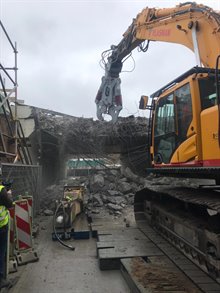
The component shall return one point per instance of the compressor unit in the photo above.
(67, 209)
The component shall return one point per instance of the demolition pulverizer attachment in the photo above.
(108, 99)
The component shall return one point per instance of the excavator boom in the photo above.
(193, 25)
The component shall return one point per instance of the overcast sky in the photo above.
(60, 45)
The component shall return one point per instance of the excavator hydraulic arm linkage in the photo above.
(193, 25)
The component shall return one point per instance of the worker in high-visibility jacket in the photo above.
(5, 203)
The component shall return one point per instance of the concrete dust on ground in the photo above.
(62, 270)
(110, 197)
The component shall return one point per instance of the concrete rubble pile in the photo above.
(110, 190)
(107, 191)
(99, 138)
(61, 124)
(114, 190)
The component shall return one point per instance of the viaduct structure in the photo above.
(56, 137)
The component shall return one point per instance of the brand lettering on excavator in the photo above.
(159, 32)
(215, 135)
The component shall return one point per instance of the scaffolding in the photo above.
(15, 158)
(13, 145)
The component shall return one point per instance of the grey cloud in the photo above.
(60, 44)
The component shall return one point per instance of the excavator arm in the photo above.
(194, 26)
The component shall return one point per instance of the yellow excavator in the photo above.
(184, 127)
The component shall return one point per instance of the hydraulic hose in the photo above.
(54, 227)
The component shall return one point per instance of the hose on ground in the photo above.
(54, 227)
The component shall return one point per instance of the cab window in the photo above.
(164, 122)
(184, 111)
(164, 131)
(207, 90)
(173, 117)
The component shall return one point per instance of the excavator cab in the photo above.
(184, 117)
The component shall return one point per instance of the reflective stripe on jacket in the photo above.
(4, 214)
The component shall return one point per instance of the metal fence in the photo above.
(26, 181)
